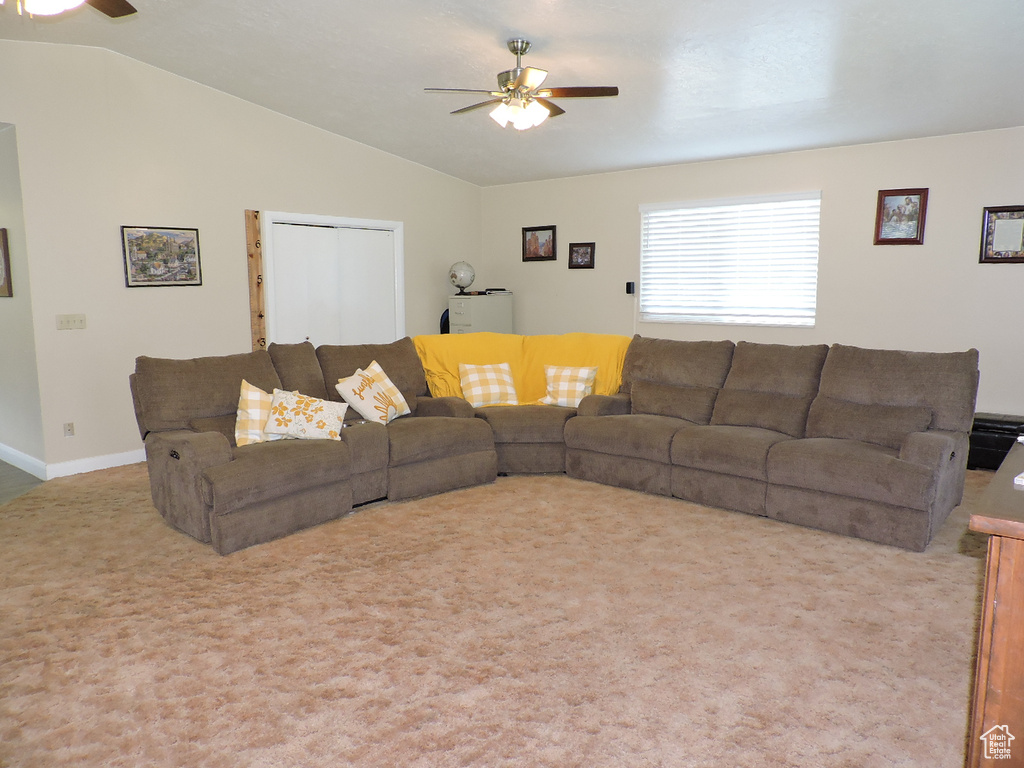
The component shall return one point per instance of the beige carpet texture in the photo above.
(538, 621)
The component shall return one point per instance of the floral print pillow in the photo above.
(304, 417)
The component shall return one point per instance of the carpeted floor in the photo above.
(539, 621)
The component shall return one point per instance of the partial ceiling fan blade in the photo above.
(463, 90)
(471, 107)
(113, 8)
(579, 92)
(553, 109)
(530, 78)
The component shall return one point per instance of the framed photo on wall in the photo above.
(6, 289)
(539, 244)
(899, 217)
(581, 255)
(1002, 235)
(155, 256)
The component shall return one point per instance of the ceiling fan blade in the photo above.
(471, 107)
(113, 8)
(579, 92)
(463, 90)
(553, 109)
(530, 78)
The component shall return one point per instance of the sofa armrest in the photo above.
(933, 448)
(604, 405)
(444, 406)
(176, 461)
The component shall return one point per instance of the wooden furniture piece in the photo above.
(998, 712)
(469, 313)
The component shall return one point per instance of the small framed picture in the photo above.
(6, 289)
(1002, 235)
(539, 244)
(155, 256)
(899, 218)
(581, 255)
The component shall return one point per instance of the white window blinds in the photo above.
(750, 261)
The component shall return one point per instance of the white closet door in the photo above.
(332, 285)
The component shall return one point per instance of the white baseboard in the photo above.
(45, 471)
(78, 466)
(24, 462)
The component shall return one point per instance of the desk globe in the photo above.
(462, 275)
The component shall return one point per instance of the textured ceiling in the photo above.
(698, 79)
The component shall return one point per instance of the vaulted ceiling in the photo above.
(698, 79)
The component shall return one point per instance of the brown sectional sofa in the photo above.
(866, 443)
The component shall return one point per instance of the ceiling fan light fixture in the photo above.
(49, 7)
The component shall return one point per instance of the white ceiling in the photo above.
(698, 79)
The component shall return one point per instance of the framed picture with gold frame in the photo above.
(1002, 235)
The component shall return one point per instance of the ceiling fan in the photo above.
(520, 98)
(113, 8)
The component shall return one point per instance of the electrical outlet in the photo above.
(69, 429)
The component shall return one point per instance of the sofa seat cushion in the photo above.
(265, 471)
(423, 438)
(851, 468)
(527, 423)
(640, 436)
(739, 451)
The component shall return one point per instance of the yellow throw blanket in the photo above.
(526, 355)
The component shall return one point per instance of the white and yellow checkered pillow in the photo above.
(304, 417)
(488, 384)
(373, 395)
(567, 386)
(253, 412)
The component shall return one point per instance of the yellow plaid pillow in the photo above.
(488, 384)
(253, 412)
(567, 386)
(304, 417)
(373, 395)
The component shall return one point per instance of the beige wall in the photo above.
(933, 296)
(20, 412)
(105, 141)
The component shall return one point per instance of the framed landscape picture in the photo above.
(6, 289)
(899, 217)
(155, 256)
(581, 255)
(539, 244)
(1002, 235)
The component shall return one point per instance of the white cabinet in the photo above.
(469, 314)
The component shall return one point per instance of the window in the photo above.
(751, 261)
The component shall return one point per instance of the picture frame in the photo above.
(900, 216)
(1002, 235)
(161, 256)
(6, 285)
(581, 255)
(539, 244)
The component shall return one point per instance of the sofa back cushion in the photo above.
(694, 404)
(946, 383)
(675, 378)
(174, 394)
(299, 369)
(398, 360)
(770, 386)
(885, 425)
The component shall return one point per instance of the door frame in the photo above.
(267, 219)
